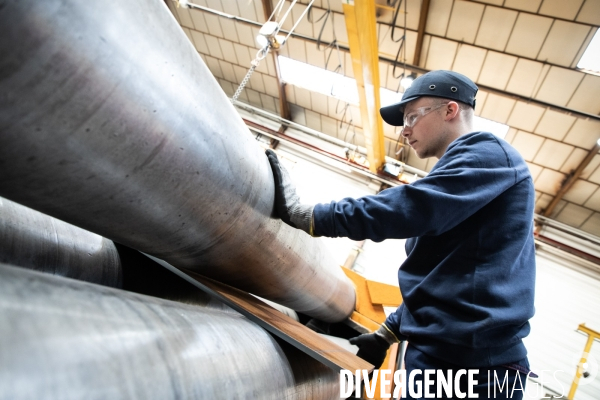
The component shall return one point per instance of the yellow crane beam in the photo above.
(362, 37)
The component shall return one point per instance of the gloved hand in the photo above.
(287, 202)
(373, 347)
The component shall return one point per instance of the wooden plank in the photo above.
(274, 321)
(364, 305)
(384, 294)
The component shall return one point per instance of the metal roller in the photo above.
(66, 339)
(109, 120)
(37, 241)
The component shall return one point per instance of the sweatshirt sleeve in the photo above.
(460, 184)
(392, 322)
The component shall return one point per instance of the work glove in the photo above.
(287, 201)
(373, 347)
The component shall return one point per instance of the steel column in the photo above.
(110, 120)
(66, 339)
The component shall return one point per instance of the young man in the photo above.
(468, 280)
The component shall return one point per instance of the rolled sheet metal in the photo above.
(66, 339)
(37, 241)
(109, 120)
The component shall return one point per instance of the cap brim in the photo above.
(392, 114)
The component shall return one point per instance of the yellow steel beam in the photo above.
(592, 335)
(362, 37)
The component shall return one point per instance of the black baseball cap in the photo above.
(446, 84)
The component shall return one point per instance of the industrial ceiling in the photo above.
(522, 54)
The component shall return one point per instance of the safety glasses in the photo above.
(411, 119)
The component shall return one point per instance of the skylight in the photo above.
(337, 85)
(327, 82)
(590, 61)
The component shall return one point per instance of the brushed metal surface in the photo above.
(110, 120)
(67, 339)
(37, 241)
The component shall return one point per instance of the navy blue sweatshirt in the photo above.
(468, 281)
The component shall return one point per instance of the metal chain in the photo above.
(260, 55)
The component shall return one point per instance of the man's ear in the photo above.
(451, 110)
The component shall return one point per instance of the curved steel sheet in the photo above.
(109, 120)
(37, 241)
(72, 339)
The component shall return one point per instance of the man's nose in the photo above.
(405, 131)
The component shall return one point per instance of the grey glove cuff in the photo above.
(301, 216)
(386, 334)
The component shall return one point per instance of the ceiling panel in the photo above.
(441, 53)
(573, 215)
(510, 135)
(243, 54)
(199, 42)
(245, 35)
(580, 193)
(526, 77)
(574, 160)
(528, 35)
(214, 48)
(559, 85)
(316, 57)
(553, 154)
(592, 225)
(260, 12)
(302, 97)
(594, 201)
(555, 125)
(213, 25)
(198, 20)
(413, 11)
(389, 48)
(549, 181)
(525, 116)
(561, 8)
(592, 171)
(563, 43)
(525, 5)
(481, 98)
(304, 27)
(271, 86)
(228, 51)
(496, 27)
(497, 108)
(318, 102)
(496, 69)
(542, 202)
(535, 170)
(469, 60)
(256, 82)
(227, 71)
(214, 67)
(329, 125)
(248, 11)
(590, 12)
(587, 96)
(296, 49)
(439, 15)
(313, 120)
(528, 145)
(229, 31)
(339, 24)
(253, 97)
(584, 133)
(269, 103)
(464, 21)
